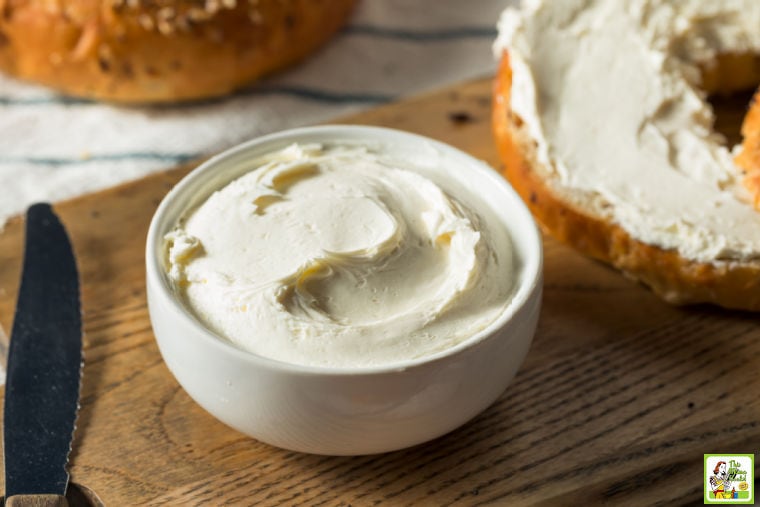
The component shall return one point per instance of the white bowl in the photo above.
(345, 411)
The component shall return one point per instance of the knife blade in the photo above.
(44, 365)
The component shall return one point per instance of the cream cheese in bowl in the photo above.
(343, 289)
(339, 255)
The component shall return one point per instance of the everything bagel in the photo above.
(159, 50)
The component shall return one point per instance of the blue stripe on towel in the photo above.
(318, 95)
(301, 92)
(175, 158)
(445, 34)
(45, 100)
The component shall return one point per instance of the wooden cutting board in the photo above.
(617, 401)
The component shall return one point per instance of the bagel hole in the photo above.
(730, 111)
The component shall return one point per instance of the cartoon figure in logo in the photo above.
(720, 482)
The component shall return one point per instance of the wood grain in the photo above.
(617, 401)
(36, 501)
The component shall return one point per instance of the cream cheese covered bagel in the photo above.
(601, 118)
(340, 256)
(159, 50)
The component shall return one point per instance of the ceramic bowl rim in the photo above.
(156, 278)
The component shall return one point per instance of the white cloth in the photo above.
(53, 148)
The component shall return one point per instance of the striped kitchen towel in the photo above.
(54, 147)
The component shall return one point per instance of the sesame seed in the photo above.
(212, 6)
(196, 14)
(165, 27)
(146, 22)
(166, 13)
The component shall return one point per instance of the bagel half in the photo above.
(159, 50)
(731, 284)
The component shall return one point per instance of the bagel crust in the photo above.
(731, 284)
(159, 50)
(749, 156)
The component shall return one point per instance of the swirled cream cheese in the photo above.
(609, 91)
(335, 256)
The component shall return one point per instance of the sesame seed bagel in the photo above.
(159, 50)
(674, 278)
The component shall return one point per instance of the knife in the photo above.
(44, 367)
